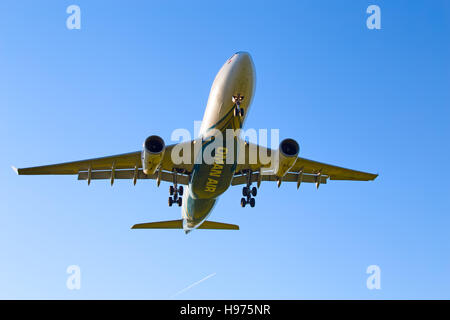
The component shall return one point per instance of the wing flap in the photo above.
(120, 161)
(256, 162)
(289, 177)
(129, 174)
(334, 172)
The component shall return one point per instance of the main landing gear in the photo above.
(175, 192)
(238, 111)
(248, 192)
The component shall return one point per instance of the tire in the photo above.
(170, 201)
(241, 112)
(180, 190)
(243, 202)
(245, 191)
(254, 191)
(180, 202)
(235, 112)
(171, 190)
(252, 202)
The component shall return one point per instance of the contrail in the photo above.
(194, 284)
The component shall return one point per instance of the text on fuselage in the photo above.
(216, 169)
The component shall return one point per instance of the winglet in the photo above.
(15, 170)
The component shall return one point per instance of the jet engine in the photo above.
(287, 155)
(153, 154)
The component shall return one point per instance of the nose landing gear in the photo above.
(175, 192)
(238, 111)
(248, 192)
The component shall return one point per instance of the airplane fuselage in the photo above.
(209, 181)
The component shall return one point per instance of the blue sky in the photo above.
(373, 100)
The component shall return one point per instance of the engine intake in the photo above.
(153, 153)
(287, 155)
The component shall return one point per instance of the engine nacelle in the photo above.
(153, 153)
(287, 155)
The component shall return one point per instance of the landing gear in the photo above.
(238, 111)
(248, 192)
(175, 199)
(175, 192)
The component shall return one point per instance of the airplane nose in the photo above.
(243, 53)
(244, 57)
(245, 61)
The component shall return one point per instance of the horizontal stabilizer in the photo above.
(172, 224)
(178, 224)
(218, 226)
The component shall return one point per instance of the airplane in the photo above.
(227, 107)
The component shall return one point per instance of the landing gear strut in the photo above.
(248, 192)
(238, 111)
(175, 192)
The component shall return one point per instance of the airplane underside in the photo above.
(204, 181)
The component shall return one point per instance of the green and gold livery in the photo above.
(209, 181)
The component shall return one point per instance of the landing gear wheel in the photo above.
(241, 112)
(236, 111)
(252, 202)
(254, 191)
(170, 201)
(180, 201)
(245, 191)
(171, 190)
(243, 202)
(180, 190)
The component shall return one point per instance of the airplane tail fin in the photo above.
(178, 224)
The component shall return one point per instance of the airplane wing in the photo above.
(129, 166)
(121, 166)
(303, 170)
